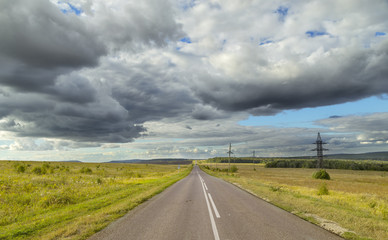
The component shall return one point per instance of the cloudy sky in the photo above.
(99, 80)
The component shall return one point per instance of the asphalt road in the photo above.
(204, 207)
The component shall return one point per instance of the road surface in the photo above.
(204, 207)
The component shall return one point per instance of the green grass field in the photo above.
(56, 200)
(356, 206)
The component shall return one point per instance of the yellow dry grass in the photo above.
(357, 203)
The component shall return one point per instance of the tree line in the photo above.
(329, 164)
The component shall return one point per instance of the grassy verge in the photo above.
(74, 200)
(355, 207)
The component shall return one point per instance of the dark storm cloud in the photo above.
(31, 116)
(341, 77)
(38, 34)
(39, 43)
(74, 89)
(203, 112)
(43, 51)
(145, 98)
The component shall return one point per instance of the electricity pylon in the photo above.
(230, 152)
(319, 150)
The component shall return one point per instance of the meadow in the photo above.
(64, 200)
(353, 204)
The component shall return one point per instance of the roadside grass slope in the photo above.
(355, 205)
(54, 200)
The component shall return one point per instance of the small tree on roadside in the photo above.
(321, 174)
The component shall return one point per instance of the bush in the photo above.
(99, 181)
(20, 169)
(321, 174)
(39, 170)
(322, 190)
(233, 169)
(86, 170)
(46, 166)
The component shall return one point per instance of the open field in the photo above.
(57, 200)
(356, 206)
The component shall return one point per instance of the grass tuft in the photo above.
(322, 190)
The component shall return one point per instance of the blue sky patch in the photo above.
(314, 33)
(189, 4)
(282, 12)
(377, 34)
(186, 40)
(72, 9)
(264, 42)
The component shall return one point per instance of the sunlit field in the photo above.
(355, 207)
(55, 200)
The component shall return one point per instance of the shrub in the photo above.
(322, 190)
(275, 188)
(46, 165)
(321, 174)
(86, 170)
(99, 181)
(20, 169)
(233, 169)
(39, 170)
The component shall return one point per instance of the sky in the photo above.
(101, 80)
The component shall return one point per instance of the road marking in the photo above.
(213, 222)
(205, 186)
(214, 206)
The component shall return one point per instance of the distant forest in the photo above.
(330, 164)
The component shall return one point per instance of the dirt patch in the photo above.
(328, 225)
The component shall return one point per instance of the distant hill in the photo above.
(174, 161)
(127, 161)
(74, 161)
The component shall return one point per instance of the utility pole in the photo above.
(230, 152)
(253, 160)
(319, 150)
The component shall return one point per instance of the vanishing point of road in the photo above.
(204, 207)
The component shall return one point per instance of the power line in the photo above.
(230, 152)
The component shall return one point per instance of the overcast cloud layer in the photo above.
(178, 76)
